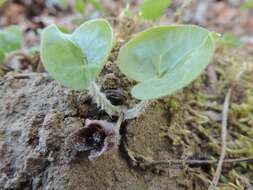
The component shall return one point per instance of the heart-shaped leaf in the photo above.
(165, 59)
(76, 59)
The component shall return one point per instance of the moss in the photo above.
(198, 134)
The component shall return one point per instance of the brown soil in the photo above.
(37, 115)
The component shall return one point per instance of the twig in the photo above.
(224, 141)
(224, 132)
(140, 161)
(199, 162)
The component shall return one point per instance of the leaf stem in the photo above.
(103, 103)
(136, 110)
(101, 100)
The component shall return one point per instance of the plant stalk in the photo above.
(136, 110)
(101, 100)
(103, 103)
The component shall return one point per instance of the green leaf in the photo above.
(80, 6)
(96, 4)
(152, 10)
(76, 59)
(247, 5)
(10, 39)
(63, 29)
(2, 2)
(2, 56)
(230, 40)
(165, 59)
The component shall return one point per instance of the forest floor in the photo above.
(37, 114)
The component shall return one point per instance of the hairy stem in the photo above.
(136, 111)
(101, 100)
(103, 103)
(117, 127)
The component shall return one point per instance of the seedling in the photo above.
(76, 59)
(165, 59)
(162, 59)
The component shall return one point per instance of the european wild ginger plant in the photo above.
(161, 59)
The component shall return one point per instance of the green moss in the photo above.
(195, 123)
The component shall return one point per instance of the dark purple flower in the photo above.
(97, 137)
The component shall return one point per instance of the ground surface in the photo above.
(37, 115)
